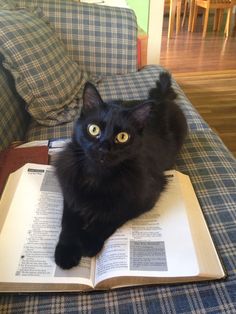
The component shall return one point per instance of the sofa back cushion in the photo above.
(101, 39)
(46, 78)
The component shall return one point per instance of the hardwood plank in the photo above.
(213, 94)
(189, 52)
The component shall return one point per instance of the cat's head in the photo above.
(109, 133)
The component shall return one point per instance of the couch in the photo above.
(212, 168)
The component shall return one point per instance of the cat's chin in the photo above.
(98, 162)
(102, 166)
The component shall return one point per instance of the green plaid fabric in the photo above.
(102, 40)
(45, 77)
(13, 117)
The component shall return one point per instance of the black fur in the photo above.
(105, 183)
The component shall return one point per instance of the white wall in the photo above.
(156, 12)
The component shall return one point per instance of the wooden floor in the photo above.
(206, 71)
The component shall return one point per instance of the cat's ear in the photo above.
(91, 97)
(140, 113)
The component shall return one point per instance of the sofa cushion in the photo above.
(102, 39)
(127, 87)
(46, 78)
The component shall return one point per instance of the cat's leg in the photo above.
(91, 243)
(68, 250)
(93, 239)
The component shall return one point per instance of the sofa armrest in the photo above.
(102, 39)
(14, 118)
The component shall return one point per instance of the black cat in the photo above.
(112, 171)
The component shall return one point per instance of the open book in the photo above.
(169, 244)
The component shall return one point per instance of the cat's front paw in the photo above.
(92, 247)
(67, 256)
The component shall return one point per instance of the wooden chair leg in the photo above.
(171, 18)
(205, 22)
(216, 19)
(203, 17)
(185, 12)
(194, 17)
(220, 17)
(228, 20)
(178, 16)
(191, 13)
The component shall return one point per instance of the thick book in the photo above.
(169, 244)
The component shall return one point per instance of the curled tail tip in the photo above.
(163, 89)
(165, 80)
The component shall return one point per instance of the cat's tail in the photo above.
(163, 90)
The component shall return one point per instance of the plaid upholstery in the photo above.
(127, 87)
(213, 173)
(40, 132)
(7, 4)
(101, 39)
(45, 77)
(14, 119)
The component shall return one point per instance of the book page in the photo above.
(30, 232)
(156, 244)
(15, 158)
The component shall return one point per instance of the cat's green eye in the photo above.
(94, 130)
(122, 137)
